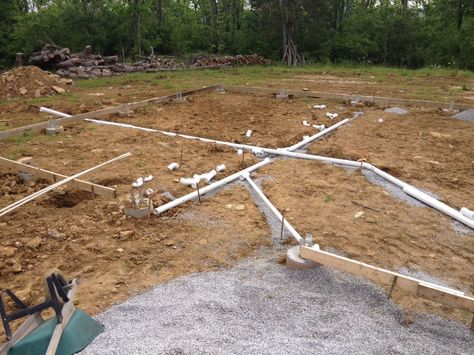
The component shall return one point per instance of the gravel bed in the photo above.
(261, 307)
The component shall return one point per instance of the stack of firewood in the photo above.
(86, 65)
(206, 61)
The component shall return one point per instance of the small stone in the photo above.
(282, 258)
(34, 243)
(7, 252)
(16, 268)
(120, 250)
(202, 242)
(53, 233)
(168, 242)
(88, 269)
(23, 91)
(305, 89)
(124, 235)
(114, 290)
(58, 89)
(358, 214)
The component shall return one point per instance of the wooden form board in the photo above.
(55, 177)
(344, 97)
(103, 112)
(411, 285)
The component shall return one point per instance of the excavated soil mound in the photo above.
(31, 81)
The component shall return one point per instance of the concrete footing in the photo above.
(295, 262)
(54, 130)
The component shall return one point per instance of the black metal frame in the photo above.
(55, 289)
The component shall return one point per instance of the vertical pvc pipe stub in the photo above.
(295, 262)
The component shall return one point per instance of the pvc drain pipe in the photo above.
(53, 112)
(193, 195)
(316, 136)
(275, 211)
(467, 212)
(430, 201)
(173, 166)
(254, 149)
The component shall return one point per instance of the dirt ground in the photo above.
(115, 257)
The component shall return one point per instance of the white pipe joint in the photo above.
(173, 166)
(220, 168)
(467, 212)
(189, 182)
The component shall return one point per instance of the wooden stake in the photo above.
(181, 157)
(393, 286)
(282, 225)
(199, 193)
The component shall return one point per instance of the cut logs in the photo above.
(86, 64)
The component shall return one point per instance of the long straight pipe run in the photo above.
(193, 195)
(407, 188)
(275, 211)
(31, 197)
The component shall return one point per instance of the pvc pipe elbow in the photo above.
(319, 107)
(173, 166)
(220, 168)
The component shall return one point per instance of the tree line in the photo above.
(401, 33)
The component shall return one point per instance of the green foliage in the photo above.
(426, 33)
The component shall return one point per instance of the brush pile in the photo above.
(206, 61)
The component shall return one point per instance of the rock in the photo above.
(24, 295)
(282, 258)
(38, 93)
(358, 214)
(120, 250)
(58, 89)
(88, 269)
(23, 91)
(7, 252)
(34, 243)
(53, 233)
(16, 268)
(168, 242)
(124, 235)
(202, 242)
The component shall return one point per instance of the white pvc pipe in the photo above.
(173, 166)
(53, 112)
(31, 197)
(316, 136)
(467, 212)
(275, 211)
(430, 201)
(289, 153)
(204, 190)
(220, 168)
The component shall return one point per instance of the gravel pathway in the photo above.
(261, 307)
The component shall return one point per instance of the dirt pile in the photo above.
(31, 81)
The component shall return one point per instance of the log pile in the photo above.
(206, 61)
(86, 64)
